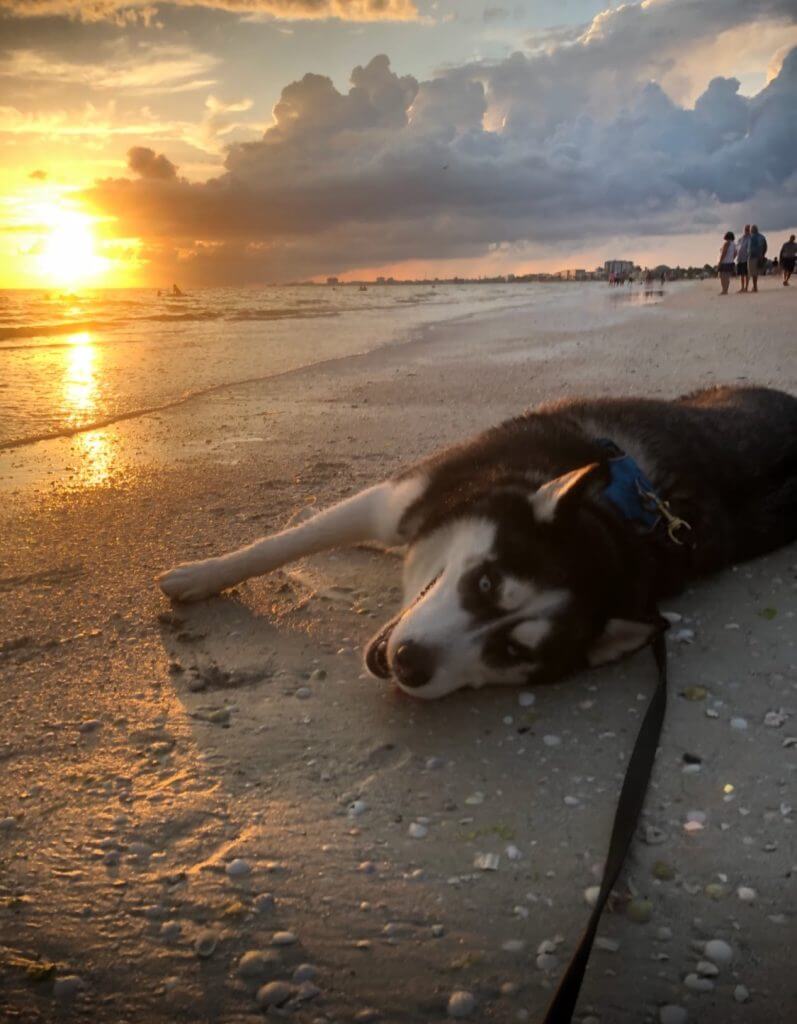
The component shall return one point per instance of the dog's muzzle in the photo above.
(376, 653)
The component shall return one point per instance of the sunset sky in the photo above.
(247, 141)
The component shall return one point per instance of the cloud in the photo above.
(147, 164)
(562, 145)
(145, 10)
(145, 70)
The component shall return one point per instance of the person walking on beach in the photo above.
(742, 252)
(788, 253)
(756, 255)
(727, 256)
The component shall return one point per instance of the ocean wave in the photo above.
(200, 314)
(48, 330)
(285, 313)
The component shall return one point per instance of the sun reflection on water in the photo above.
(79, 391)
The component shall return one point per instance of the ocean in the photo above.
(73, 362)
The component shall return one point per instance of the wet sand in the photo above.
(144, 748)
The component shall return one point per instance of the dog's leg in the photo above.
(373, 514)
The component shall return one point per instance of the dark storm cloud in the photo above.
(567, 144)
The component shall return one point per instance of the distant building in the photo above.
(620, 268)
(332, 280)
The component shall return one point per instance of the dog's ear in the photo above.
(557, 493)
(619, 637)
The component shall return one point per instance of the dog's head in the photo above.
(521, 585)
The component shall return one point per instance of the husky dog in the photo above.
(544, 545)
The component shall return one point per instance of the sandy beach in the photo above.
(183, 786)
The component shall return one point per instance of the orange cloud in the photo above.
(145, 10)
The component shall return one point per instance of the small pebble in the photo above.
(434, 763)
(486, 861)
(739, 723)
(205, 944)
(275, 993)
(283, 939)
(746, 894)
(263, 902)
(741, 994)
(417, 831)
(366, 1015)
(672, 1014)
(608, 945)
(307, 990)
(512, 852)
(7, 824)
(68, 986)
(707, 969)
(238, 868)
(255, 964)
(317, 675)
(718, 951)
(304, 972)
(170, 931)
(438, 931)
(697, 984)
(461, 1004)
(513, 946)
(591, 894)
(303, 693)
(356, 808)
(526, 699)
(547, 961)
(90, 725)
(475, 798)
(551, 741)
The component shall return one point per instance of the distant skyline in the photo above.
(238, 141)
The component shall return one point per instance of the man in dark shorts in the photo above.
(756, 255)
(788, 254)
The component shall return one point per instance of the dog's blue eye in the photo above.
(512, 650)
(485, 584)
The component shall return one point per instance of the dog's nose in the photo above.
(413, 664)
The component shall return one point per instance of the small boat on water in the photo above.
(363, 288)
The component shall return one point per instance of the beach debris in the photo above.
(475, 798)
(775, 719)
(546, 958)
(417, 830)
(438, 931)
(512, 852)
(746, 894)
(741, 993)
(639, 911)
(550, 740)
(461, 1004)
(283, 939)
(672, 617)
(673, 1014)
(255, 964)
(356, 808)
(205, 944)
(571, 801)
(486, 861)
(683, 636)
(68, 986)
(591, 894)
(274, 993)
(606, 944)
(238, 868)
(367, 1015)
(715, 891)
(663, 871)
(718, 951)
(526, 699)
(740, 724)
(694, 693)
(654, 836)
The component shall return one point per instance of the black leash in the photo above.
(629, 806)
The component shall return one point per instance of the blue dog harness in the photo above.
(632, 494)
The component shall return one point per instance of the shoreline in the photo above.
(144, 747)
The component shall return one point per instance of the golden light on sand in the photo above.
(69, 256)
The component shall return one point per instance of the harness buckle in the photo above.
(674, 523)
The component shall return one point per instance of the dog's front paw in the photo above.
(194, 581)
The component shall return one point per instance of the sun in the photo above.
(69, 256)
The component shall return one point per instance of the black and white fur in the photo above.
(516, 570)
